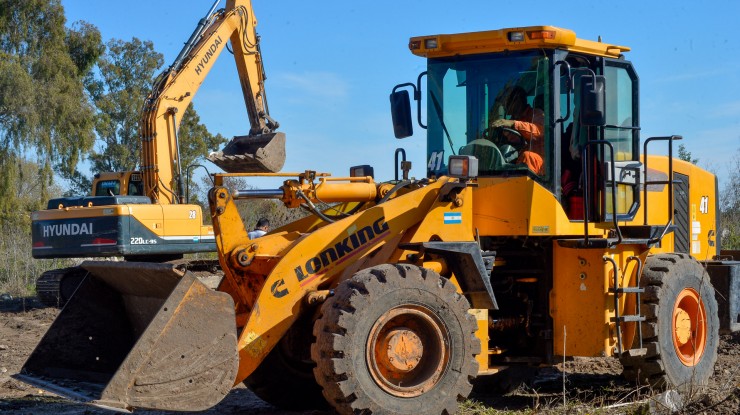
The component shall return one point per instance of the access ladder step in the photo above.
(629, 319)
(620, 290)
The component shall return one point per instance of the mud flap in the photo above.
(264, 153)
(139, 335)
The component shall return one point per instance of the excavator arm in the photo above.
(260, 151)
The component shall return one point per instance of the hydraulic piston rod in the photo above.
(259, 194)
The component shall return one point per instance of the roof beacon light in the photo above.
(463, 167)
(430, 43)
(541, 34)
(516, 36)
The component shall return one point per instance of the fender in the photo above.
(465, 259)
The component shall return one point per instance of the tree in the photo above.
(45, 114)
(730, 207)
(685, 154)
(126, 75)
(195, 143)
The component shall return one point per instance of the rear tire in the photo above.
(395, 339)
(681, 331)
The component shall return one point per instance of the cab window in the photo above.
(493, 107)
(108, 188)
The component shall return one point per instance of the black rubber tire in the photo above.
(664, 278)
(285, 378)
(343, 335)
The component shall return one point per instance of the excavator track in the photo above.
(55, 287)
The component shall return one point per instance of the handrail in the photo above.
(395, 159)
(669, 182)
(587, 185)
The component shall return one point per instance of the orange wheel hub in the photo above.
(407, 350)
(689, 327)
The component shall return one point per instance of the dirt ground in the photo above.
(592, 385)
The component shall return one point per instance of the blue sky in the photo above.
(332, 64)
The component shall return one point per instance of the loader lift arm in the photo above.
(262, 150)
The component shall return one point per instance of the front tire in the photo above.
(681, 331)
(395, 339)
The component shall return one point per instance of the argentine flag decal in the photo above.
(453, 218)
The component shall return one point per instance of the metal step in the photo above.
(636, 290)
(628, 319)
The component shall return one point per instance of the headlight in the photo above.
(463, 167)
(361, 171)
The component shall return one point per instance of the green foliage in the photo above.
(195, 143)
(44, 110)
(125, 76)
(20, 270)
(685, 155)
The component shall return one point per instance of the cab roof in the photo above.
(511, 39)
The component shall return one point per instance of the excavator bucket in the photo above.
(139, 335)
(264, 153)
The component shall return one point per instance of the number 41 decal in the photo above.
(435, 160)
(704, 205)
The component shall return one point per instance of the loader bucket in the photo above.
(264, 153)
(139, 335)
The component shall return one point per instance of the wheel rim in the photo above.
(689, 327)
(407, 350)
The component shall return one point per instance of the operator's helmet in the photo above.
(509, 152)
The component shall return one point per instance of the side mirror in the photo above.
(593, 100)
(401, 114)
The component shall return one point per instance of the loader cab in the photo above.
(611, 141)
(469, 82)
(467, 95)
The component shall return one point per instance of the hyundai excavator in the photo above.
(142, 215)
(393, 299)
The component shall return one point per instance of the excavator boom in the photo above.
(262, 150)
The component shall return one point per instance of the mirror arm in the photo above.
(417, 97)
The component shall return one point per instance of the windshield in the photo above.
(492, 107)
(108, 188)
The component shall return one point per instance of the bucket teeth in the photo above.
(263, 153)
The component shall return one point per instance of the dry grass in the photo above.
(19, 269)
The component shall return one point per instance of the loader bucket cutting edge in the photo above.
(139, 335)
(264, 153)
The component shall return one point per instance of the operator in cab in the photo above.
(529, 123)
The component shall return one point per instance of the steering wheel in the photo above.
(519, 142)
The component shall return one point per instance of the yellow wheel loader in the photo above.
(143, 215)
(542, 230)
